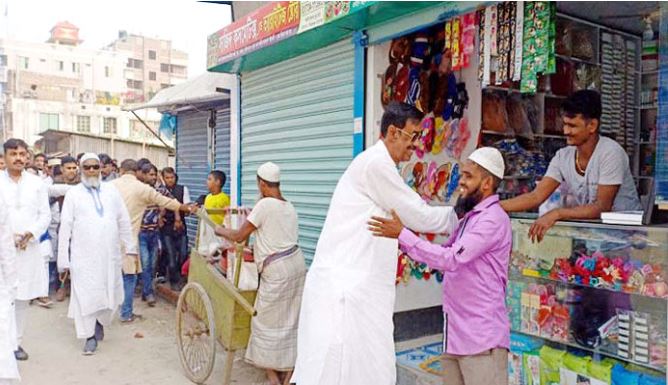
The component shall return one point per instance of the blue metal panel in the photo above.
(191, 157)
(222, 147)
(360, 42)
(299, 114)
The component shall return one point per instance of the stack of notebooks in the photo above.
(623, 218)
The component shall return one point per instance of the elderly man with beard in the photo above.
(94, 224)
(474, 262)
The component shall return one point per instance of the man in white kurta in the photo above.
(27, 201)
(9, 371)
(94, 224)
(345, 326)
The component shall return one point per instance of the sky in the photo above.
(186, 22)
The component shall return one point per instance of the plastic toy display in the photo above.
(590, 302)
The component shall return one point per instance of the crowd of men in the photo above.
(54, 211)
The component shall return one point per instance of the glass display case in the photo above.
(588, 300)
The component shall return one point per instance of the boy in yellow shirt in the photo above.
(216, 199)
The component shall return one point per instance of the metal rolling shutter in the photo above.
(299, 114)
(191, 158)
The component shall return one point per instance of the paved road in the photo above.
(121, 359)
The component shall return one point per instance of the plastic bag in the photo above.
(209, 243)
(250, 277)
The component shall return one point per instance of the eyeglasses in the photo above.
(91, 167)
(416, 135)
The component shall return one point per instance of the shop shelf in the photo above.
(594, 351)
(527, 277)
(499, 88)
(555, 96)
(506, 134)
(548, 136)
(576, 60)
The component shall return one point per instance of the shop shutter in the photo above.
(299, 114)
(222, 147)
(191, 159)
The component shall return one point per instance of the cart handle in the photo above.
(228, 210)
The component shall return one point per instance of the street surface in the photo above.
(121, 359)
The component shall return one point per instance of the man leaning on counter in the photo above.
(592, 172)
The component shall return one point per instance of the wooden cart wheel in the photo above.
(196, 333)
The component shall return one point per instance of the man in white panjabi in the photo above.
(9, 372)
(26, 197)
(345, 324)
(94, 224)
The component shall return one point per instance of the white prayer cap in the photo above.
(54, 162)
(490, 159)
(269, 172)
(89, 156)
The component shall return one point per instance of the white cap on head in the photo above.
(89, 156)
(490, 159)
(269, 172)
(54, 162)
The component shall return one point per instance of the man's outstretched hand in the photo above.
(388, 228)
(540, 227)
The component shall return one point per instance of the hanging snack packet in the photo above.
(480, 16)
(455, 44)
(519, 41)
(512, 10)
(552, 37)
(542, 23)
(468, 38)
(529, 78)
(494, 29)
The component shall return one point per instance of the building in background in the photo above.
(4, 10)
(59, 87)
(152, 64)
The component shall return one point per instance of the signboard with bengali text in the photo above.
(258, 29)
(273, 23)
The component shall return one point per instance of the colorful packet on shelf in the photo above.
(480, 16)
(468, 38)
(456, 44)
(493, 27)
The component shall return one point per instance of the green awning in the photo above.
(374, 14)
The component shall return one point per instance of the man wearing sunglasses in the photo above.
(94, 218)
(348, 301)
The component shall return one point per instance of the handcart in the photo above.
(211, 307)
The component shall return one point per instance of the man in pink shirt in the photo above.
(474, 262)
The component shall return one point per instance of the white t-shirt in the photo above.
(609, 165)
(276, 223)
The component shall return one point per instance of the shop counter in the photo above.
(590, 300)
